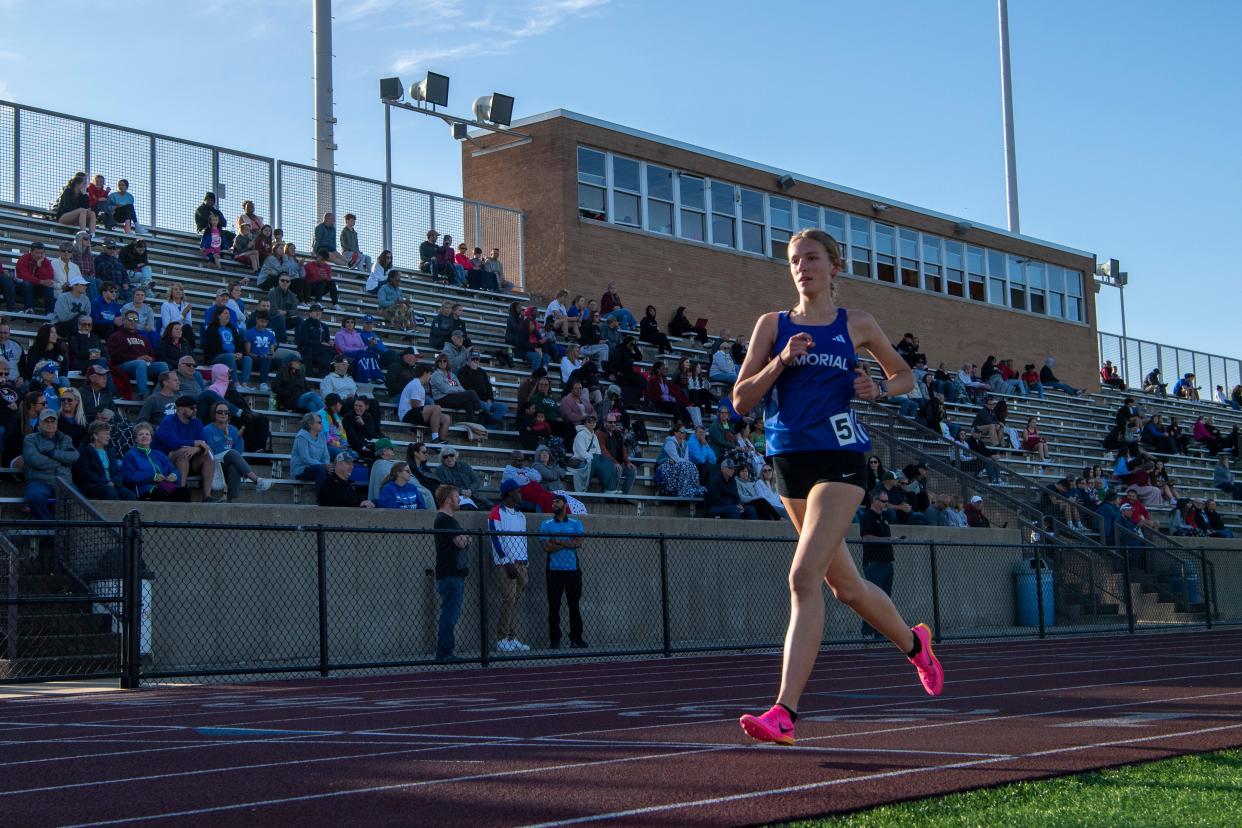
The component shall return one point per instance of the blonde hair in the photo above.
(173, 288)
(829, 243)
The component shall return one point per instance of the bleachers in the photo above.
(1073, 427)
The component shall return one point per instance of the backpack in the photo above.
(367, 368)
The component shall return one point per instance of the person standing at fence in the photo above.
(803, 366)
(452, 567)
(877, 556)
(510, 561)
(561, 537)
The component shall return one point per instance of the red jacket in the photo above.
(41, 275)
(126, 346)
(1006, 372)
(653, 390)
(96, 194)
(607, 304)
(317, 271)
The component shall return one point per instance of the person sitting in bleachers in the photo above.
(259, 344)
(749, 495)
(412, 405)
(96, 394)
(908, 348)
(456, 350)
(375, 347)
(223, 345)
(348, 342)
(146, 316)
(464, 266)
(610, 305)
(675, 473)
(97, 199)
(202, 219)
(534, 344)
(428, 253)
(1186, 388)
(400, 371)
(495, 269)
(133, 258)
(35, 279)
(350, 251)
(225, 442)
(1207, 434)
(71, 306)
(649, 332)
(1157, 437)
(1049, 379)
(379, 273)
(10, 349)
(245, 252)
(149, 472)
(130, 352)
(1235, 397)
(474, 378)
(454, 471)
(442, 325)
(48, 455)
(1110, 377)
(319, 280)
(313, 341)
(74, 205)
(362, 427)
(399, 489)
(1215, 523)
(446, 266)
(97, 471)
(1030, 378)
(594, 464)
(724, 369)
(180, 437)
(309, 460)
(121, 207)
(212, 242)
(680, 325)
(338, 488)
(447, 391)
(1154, 384)
(338, 381)
(291, 390)
(722, 499)
(392, 304)
(1011, 378)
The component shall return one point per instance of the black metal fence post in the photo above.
(1125, 572)
(664, 608)
(321, 576)
(935, 590)
(484, 649)
(1203, 588)
(1039, 591)
(131, 605)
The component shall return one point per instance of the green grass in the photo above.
(1199, 790)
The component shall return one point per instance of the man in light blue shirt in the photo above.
(561, 538)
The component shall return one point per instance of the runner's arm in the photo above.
(865, 333)
(757, 373)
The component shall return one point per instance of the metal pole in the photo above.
(1124, 339)
(935, 590)
(1203, 588)
(664, 608)
(387, 177)
(321, 576)
(1039, 591)
(1011, 160)
(131, 594)
(1129, 590)
(484, 649)
(325, 145)
(17, 155)
(154, 205)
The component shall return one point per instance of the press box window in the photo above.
(693, 212)
(626, 192)
(592, 184)
(659, 199)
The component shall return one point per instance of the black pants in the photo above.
(316, 290)
(566, 582)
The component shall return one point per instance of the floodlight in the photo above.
(391, 89)
(962, 228)
(786, 182)
(433, 89)
(494, 109)
(460, 131)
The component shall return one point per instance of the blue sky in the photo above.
(1128, 113)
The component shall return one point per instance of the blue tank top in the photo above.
(808, 407)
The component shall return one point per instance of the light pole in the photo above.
(1011, 158)
(1110, 273)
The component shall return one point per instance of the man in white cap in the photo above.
(975, 518)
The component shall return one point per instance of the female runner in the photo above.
(802, 364)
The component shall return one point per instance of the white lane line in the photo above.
(812, 786)
(400, 786)
(667, 672)
(562, 714)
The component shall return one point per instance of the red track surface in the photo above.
(651, 742)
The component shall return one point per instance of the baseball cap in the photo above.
(346, 456)
(383, 443)
(110, 244)
(448, 451)
(186, 360)
(411, 350)
(186, 401)
(458, 334)
(727, 464)
(367, 318)
(475, 355)
(77, 279)
(889, 476)
(339, 359)
(316, 307)
(976, 499)
(48, 368)
(96, 370)
(48, 414)
(509, 484)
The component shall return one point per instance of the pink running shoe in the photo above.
(930, 671)
(773, 726)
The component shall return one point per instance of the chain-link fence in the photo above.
(41, 150)
(231, 601)
(1135, 359)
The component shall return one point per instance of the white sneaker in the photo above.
(505, 645)
(514, 644)
(264, 388)
(263, 484)
(246, 389)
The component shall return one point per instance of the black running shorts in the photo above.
(798, 472)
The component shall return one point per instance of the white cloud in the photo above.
(505, 25)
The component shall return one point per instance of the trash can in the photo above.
(1190, 588)
(112, 587)
(1027, 600)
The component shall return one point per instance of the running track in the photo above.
(639, 743)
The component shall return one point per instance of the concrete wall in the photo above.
(729, 288)
(226, 596)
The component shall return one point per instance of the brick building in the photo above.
(675, 224)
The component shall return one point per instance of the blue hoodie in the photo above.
(139, 467)
(393, 496)
(173, 434)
